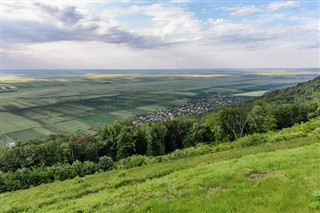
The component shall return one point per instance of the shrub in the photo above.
(26, 177)
(288, 136)
(133, 161)
(105, 163)
(63, 171)
(225, 146)
(88, 168)
(84, 168)
(316, 133)
(252, 140)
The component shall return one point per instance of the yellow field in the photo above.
(283, 73)
(97, 76)
(23, 79)
(15, 78)
(252, 94)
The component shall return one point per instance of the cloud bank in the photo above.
(159, 35)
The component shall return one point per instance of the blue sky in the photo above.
(160, 34)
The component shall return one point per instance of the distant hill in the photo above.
(300, 93)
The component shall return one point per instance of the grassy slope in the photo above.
(220, 182)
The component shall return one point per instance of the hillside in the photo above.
(270, 172)
(263, 157)
(61, 157)
(300, 93)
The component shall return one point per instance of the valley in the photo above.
(36, 104)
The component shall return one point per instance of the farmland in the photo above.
(35, 104)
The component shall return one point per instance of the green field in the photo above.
(272, 177)
(42, 104)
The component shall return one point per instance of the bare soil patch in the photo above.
(256, 175)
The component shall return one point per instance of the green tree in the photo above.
(177, 131)
(284, 115)
(198, 133)
(126, 142)
(314, 106)
(108, 138)
(228, 123)
(154, 136)
(261, 119)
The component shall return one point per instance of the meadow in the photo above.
(35, 104)
(280, 175)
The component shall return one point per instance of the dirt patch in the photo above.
(256, 175)
(183, 190)
(216, 189)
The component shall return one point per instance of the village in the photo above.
(205, 103)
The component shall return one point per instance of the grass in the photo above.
(4, 140)
(122, 114)
(15, 122)
(73, 126)
(100, 120)
(277, 177)
(44, 131)
(25, 134)
(138, 111)
(152, 108)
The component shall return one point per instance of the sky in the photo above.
(165, 34)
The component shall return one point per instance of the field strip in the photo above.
(252, 94)
(152, 108)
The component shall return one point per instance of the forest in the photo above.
(60, 157)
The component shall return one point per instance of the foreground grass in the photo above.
(281, 177)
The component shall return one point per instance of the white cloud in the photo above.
(179, 1)
(251, 37)
(173, 24)
(244, 10)
(251, 9)
(99, 55)
(21, 11)
(282, 4)
(97, 35)
(224, 32)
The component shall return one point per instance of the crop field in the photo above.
(35, 104)
(253, 94)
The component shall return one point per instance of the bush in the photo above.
(63, 171)
(252, 140)
(316, 133)
(89, 168)
(26, 177)
(288, 136)
(105, 163)
(85, 168)
(133, 161)
(225, 146)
